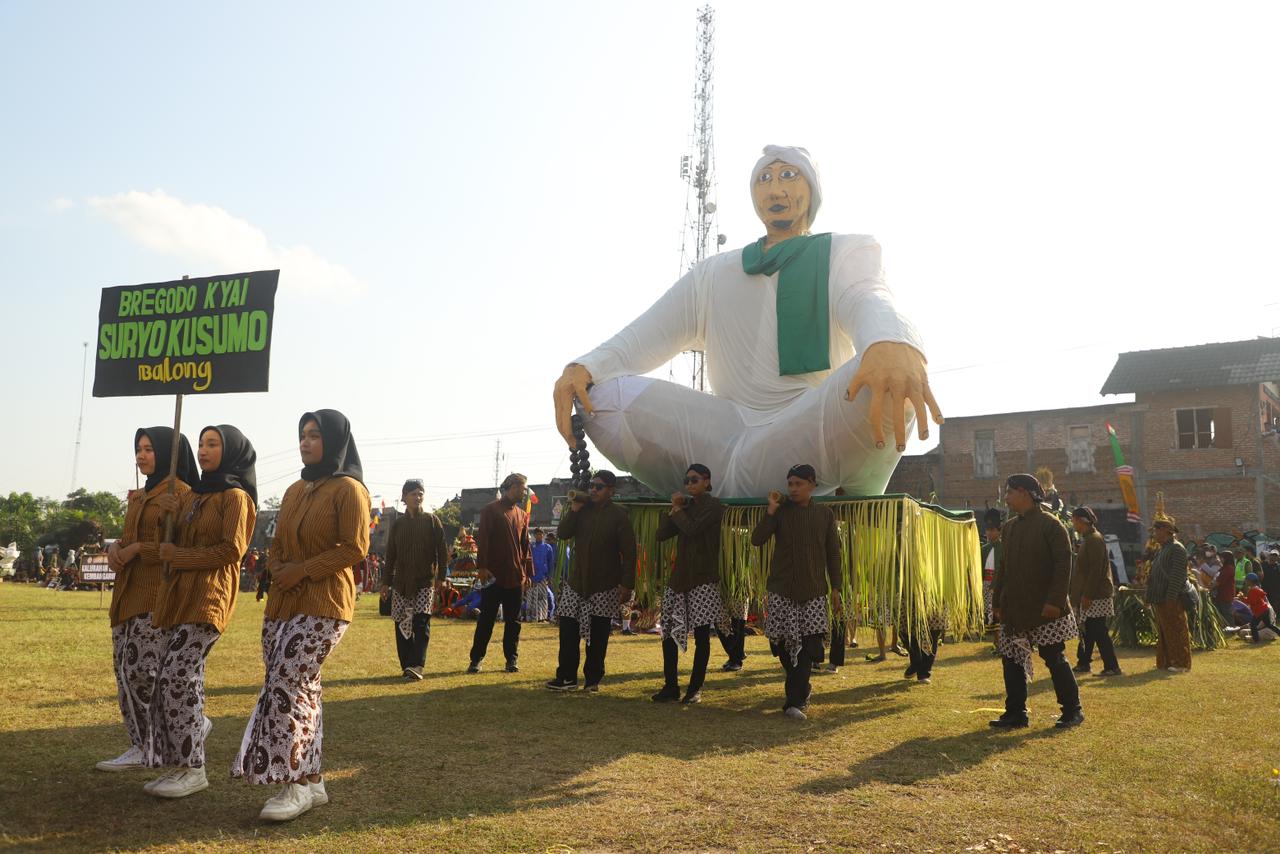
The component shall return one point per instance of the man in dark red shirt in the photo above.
(503, 557)
(1224, 587)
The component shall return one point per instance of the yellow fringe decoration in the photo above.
(903, 561)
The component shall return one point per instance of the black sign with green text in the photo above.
(192, 336)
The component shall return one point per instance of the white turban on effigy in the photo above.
(798, 157)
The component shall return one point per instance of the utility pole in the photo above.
(75, 459)
(698, 171)
(497, 462)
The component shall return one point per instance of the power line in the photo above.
(442, 437)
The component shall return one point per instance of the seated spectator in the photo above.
(1207, 566)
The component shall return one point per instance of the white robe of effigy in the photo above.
(757, 424)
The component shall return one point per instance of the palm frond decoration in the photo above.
(1133, 624)
(903, 560)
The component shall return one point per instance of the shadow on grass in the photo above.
(402, 759)
(925, 759)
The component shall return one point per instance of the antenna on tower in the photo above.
(698, 171)
(75, 459)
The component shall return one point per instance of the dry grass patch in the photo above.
(495, 762)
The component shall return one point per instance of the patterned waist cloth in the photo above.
(403, 609)
(603, 604)
(787, 621)
(684, 612)
(1016, 644)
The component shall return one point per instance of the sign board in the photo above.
(94, 569)
(1117, 558)
(190, 336)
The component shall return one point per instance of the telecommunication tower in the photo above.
(698, 171)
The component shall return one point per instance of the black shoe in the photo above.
(593, 688)
(1004, 722)
(909, 672)
(628, 631)
(1067, 721)
(853, 644)
(923, 678)
(474, 667)
(512, 667)
(732, 666)
(669, 694)
(1112, 671)
(562, 684)
(1081, 668)
(692, 699)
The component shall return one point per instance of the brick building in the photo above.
(1202, 429)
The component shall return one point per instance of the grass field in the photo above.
(495, 762)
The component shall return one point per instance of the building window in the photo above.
(1203, 428)
(984, 453)
(1080, 449)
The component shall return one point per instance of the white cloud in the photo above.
(203, 234)
(61, 204)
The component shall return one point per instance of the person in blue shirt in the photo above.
(538, 599)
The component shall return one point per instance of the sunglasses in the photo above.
(596, 487)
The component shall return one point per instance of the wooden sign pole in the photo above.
(174, 451)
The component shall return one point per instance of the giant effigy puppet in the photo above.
(808, 357)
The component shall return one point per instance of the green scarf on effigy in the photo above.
(803, 267)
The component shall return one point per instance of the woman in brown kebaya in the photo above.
(136, 643)
(197, 597)
(322, 531)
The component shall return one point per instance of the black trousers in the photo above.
(838, 645)
(1096, 634)
(593, 670)
(1256, 624)
(735, 643)
(413, 650)
(1064, 682)
(491, 597)
(922, 655)
(812, 651)
(701, 655)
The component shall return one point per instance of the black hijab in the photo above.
(236, 471)
(162, 441)
(341, 459)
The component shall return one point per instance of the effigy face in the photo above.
(781, 195)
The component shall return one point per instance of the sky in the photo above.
(464, 197)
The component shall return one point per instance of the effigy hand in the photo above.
(896, 371)
(572, 383)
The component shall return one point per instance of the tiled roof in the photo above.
(1201, 366)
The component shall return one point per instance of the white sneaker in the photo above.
(180, 783)
(1178, 669)
(795, 713)
(319, 797)
(127, 761)
(151, 784)
(205, 729)
(294, 799)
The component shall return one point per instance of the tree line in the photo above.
(82, 517)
